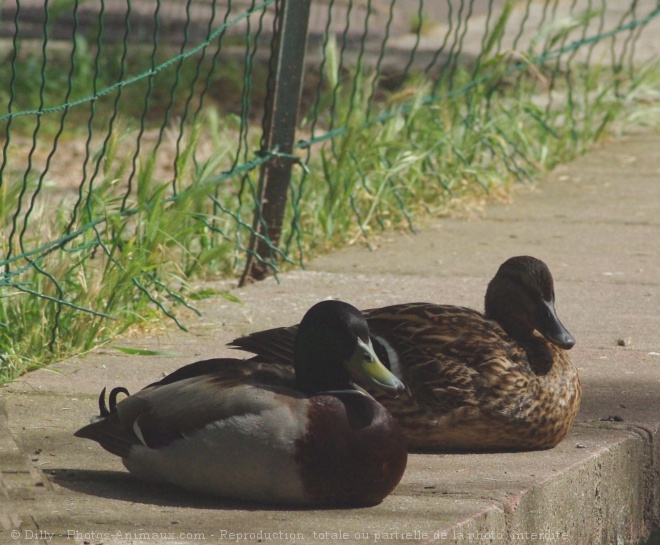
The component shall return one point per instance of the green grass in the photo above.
(138, 254)
(130, 262)
(432, 154)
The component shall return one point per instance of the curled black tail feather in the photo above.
(112, 400)
(113, 397)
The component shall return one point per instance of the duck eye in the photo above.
(367, 350)
(546, 311)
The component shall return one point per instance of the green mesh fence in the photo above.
(137, 137)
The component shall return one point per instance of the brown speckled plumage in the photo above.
(471, 385)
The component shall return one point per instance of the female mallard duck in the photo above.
(268, 433)
(498, 381)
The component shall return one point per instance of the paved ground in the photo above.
(596, 222)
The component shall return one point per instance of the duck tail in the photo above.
(110, 434)
(106, 429)
(270, 346)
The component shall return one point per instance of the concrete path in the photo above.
(596, 222)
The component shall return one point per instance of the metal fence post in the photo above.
(279, 133)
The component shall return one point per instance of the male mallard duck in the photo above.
(268, 433)
(497, 381)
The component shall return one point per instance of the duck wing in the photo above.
(449, 356)
(189, 399)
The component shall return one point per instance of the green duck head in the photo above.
(333, 347)
(521, 298)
